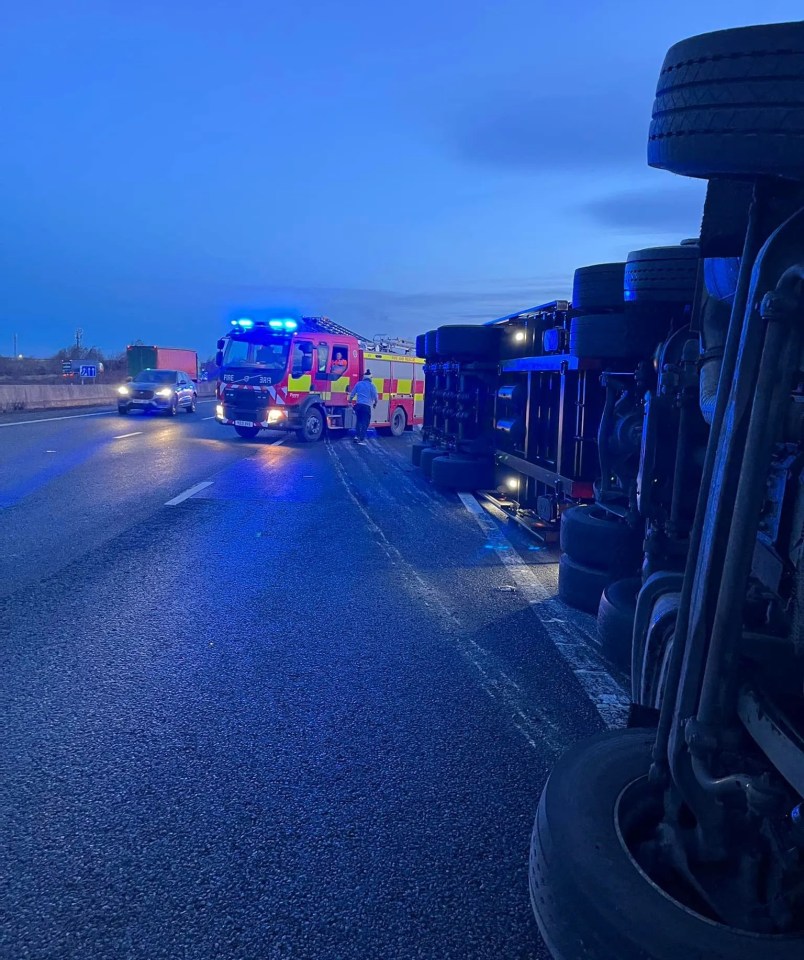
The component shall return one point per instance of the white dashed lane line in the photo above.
(189, 493)
(608, 696)
(122, 436)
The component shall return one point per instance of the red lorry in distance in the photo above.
(140, 357)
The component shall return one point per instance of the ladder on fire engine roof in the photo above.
(379, 344)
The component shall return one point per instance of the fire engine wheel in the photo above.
(662, 274)
(580, 586)
(312, 427)
(462, 473)
(247, 433)
(615, 620)
(731, 104)
(598, 287)
(399, 421)
(427, 456)
(592, 536)
(467, 341)
(590, 897)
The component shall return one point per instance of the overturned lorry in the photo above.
(683, 525)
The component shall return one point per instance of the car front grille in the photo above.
(143, 394)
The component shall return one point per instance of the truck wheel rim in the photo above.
(313, 425)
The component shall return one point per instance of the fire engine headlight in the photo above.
(219, 410)
(164, 392)
(275, 415)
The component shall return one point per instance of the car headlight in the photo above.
(123, 391)
(164, 392)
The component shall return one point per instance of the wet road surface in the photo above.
(305, 711)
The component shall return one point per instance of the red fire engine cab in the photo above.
(296, 375)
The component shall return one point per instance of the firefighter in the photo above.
(364, 396)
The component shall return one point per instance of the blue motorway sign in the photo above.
(88, 370)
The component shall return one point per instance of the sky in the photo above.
(168, 165)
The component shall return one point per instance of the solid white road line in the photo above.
(189, 493)
(208, 418)
(122, 436)
(607, 694)
(74, 416)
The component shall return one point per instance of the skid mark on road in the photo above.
(537, 730)
(573, 642)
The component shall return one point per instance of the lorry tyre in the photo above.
(467, 341)
(615, 620)
(399, 421)
(591, 536)
(662, 274)
(421, 349)
(462, 473)
(191, 405)
(598, 287)
(247, 433)
(590, 897)
(613, 336)
(580, 586)
(312, 427)
(731, 104)
(427, 456)
(416, 453)
(430, 344)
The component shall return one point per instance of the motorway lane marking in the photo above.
(189, 493)
(207, 483)
(74, 416)
(608, 696)
(208, 418)
(494, 681)
(122, 436)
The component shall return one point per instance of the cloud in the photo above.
(571, 126)
(650, 211)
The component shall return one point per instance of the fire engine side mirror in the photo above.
(221, 344)
(219, 358)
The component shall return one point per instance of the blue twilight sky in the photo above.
(394, 166)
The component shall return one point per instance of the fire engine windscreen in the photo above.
(270, 356)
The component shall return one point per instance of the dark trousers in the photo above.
(363, 417)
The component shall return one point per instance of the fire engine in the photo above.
(296, 375)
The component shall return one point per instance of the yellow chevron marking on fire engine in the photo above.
(300, 384)
(340, 385)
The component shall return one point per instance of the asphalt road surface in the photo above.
(268, 700)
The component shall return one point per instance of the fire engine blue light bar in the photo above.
(290, 324)
(244, 323)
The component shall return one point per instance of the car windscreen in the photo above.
(269, 356)
(156, 376)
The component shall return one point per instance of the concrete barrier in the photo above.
(57, 396)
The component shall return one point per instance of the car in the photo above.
(161, 391)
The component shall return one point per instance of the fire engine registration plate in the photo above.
(243, 423)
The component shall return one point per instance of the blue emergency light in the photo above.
(283, 324)
(244, 324)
